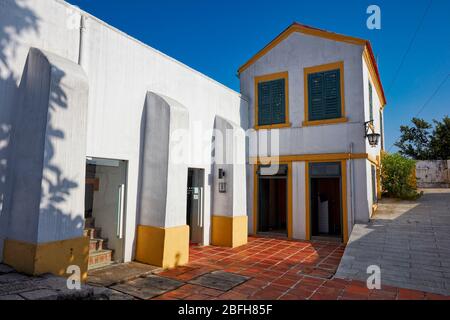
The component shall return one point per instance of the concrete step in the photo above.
(98, 245)
(100, 258)
(93, 233)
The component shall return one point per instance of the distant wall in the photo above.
(433, 174)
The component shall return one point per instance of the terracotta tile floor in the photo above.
(280, 270)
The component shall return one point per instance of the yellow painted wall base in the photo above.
(229, 231)
(52, 257)
(163, 247)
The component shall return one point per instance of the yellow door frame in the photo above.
(343, 199)
(256, 197)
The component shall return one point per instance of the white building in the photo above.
(100, 132)
(85, 107)
(314, 91)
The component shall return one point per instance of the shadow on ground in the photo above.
(408, 240)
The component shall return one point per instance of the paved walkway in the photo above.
(278, 270)
(409, 241)
(264, 269)
(16, 286)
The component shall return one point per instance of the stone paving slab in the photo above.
(16, 286)
(220, 280)
(40, 294)
(101, 293)
(119, 273)
(148, 287)
(406, 239)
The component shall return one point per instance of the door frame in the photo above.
(343, 190)
(124, 205)
(202, 176)
(256, 197)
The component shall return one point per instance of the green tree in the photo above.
(398, 176)
(414, 141)
(440, 140)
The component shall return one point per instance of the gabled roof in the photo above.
(297, 27)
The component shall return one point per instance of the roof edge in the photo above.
(297, 27)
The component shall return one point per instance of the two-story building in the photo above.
(315, 100)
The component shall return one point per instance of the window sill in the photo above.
(324, 122)
(274, 126)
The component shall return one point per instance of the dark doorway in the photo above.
(326, 204)
(273, 197)
(194, 208)
(105, 210)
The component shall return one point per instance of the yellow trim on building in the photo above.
(296, 27)
(325, 67)
(307, 203)
(289, 200)
(374, 209)
(343, 199)
(308, 157)
(229, 232)
(52, 257)
(270, 77)
(324, 122)
(373, 159)
(379, 189)
(255, 199)
(374, 77)
(162, 247)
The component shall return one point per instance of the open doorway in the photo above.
(105, 203)
(195, 204)
(326, 204)
(272, 200)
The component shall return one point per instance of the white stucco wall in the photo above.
(298, 200)
(362, 191)
(229, 152)
(22, 27)
(121, 70)
(47, 193)
(295, 53)
(376, 108)
(433, 174)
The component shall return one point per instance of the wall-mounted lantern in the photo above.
(222, 182)
(373, 138)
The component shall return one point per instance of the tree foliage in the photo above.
(398, 176)
(440, 140)
(423, 142)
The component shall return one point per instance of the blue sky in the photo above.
(216, 37)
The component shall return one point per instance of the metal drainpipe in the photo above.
(81, 44)
(352, 185)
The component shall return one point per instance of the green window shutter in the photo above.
(271, 102)
(264, 116)
(324, 95)
(370, 101)
(316, 102)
